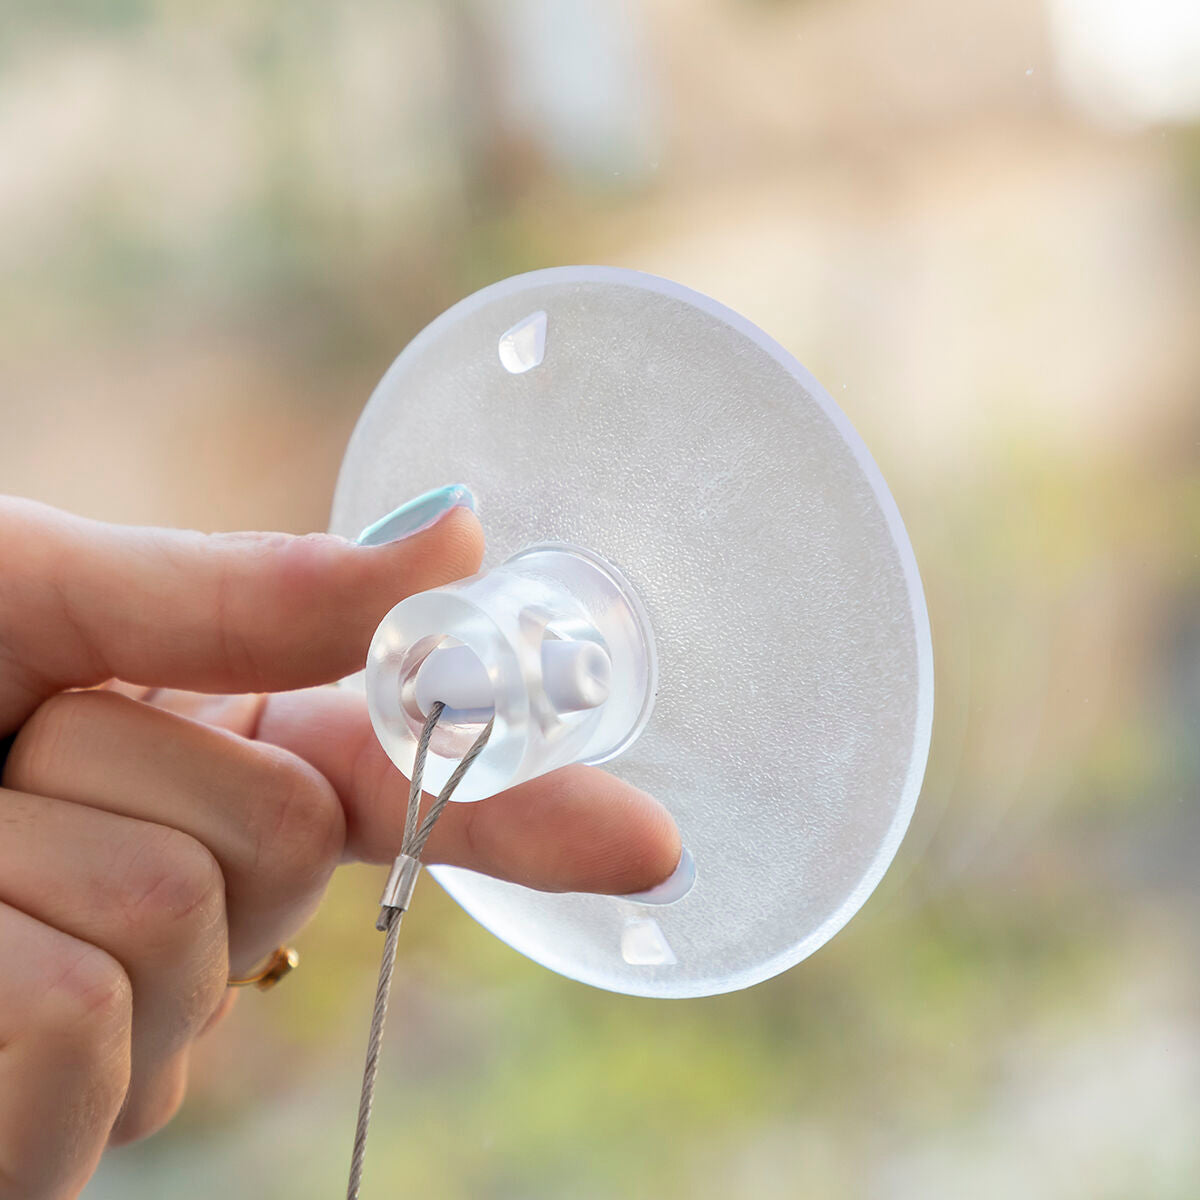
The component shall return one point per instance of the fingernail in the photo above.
(417, 514)
(674, 887)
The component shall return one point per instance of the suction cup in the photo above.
(696, 572)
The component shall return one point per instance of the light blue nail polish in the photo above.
(417, 514)
(674, 887)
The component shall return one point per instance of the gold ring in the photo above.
(282, 962)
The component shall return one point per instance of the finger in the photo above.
(65, 1014)
(576, 829)
(272, 822)
(81, 601)
(151, 897)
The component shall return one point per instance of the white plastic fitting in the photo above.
(553, 644)
(575, 676)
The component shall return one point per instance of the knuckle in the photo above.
(169, 883)
(300, 826)
(37, 748)
(88, 997)
(302, 569)
(294, 566)
(305, 559)
(167, 903)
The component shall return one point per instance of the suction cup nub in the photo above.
(553, 644)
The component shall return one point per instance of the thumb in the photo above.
(82, 601)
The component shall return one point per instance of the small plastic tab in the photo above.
(643, 944)
(523, 347)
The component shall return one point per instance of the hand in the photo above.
(152, 842)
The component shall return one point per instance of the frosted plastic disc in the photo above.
(629, 415)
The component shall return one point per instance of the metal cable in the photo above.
(422, 834)
(383, 990)
(395, 900)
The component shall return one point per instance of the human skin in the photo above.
(166, 828)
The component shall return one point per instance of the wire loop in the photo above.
(397, 895)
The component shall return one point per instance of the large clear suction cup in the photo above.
(654, 471)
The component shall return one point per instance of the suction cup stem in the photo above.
(553, 644)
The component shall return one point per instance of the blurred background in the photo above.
(979, 225)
